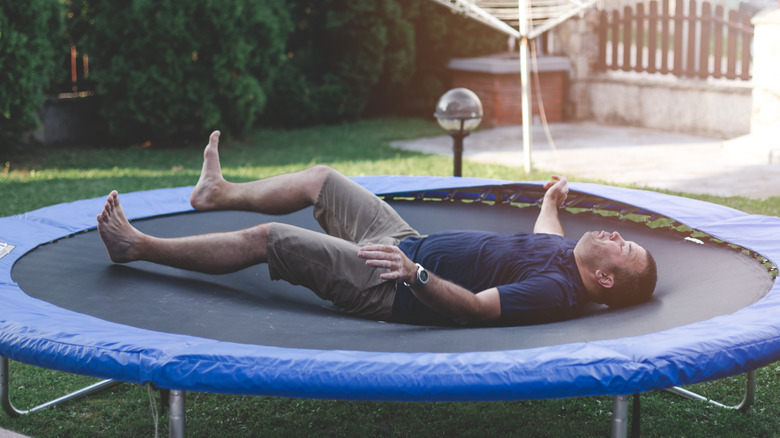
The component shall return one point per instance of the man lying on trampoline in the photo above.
(373, 264)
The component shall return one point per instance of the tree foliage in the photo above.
(350, 59)
(30, 40)
(439, 36)
(172, 70)
(167, 69)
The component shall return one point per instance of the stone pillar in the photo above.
(577, 39)
(766, 71)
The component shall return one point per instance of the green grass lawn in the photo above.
(54, 175)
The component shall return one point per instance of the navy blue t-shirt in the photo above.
(536, 274)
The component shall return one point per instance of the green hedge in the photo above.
(348, 59)
(30, 41)
(340, 51)
(174, 69)
(440, 36)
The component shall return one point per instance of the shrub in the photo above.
(175, 69)
(339, 52)
(30, 37)
(349, 59)
(439, 36)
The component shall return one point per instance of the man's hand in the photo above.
(439, 294)
(389, 257)
(557, 190)
(548, 221)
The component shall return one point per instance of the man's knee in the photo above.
(321, 168)
(257, 238)
(319, 172)
(315, 178)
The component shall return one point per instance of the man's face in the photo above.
(605, 250)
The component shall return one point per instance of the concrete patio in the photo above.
(747, 166)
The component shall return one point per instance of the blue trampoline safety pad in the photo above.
(39, 333)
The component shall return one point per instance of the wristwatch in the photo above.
(422, 277)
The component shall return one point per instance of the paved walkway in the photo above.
(8, 434)
(747, 166)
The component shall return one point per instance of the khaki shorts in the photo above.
(328, 264)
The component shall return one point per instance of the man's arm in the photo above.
(439, 294)
(548, 221)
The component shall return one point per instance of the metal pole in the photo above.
(525, 84)
(620, 416)
(176, 417)
(744, 405)
(457, 153)
(8, 407)
(5, 399)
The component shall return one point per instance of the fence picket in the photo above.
(652, 35)
(690, 43)
(731, 51)
(704, 41)
(717, 36)
(690, 55)
(746, 52)
(677, 66)
(628, 19)
(601, 63)
(615, 38)
(665, 38)
(639, 36)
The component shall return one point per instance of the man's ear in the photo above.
(605, 279)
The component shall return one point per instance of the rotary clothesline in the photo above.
(523, 20)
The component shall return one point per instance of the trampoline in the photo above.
(67, 307)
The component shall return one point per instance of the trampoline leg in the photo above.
(747, 401)
(5, 397)
(620, 416)
(176, 417)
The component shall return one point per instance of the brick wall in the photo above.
(501, 95)
(496, 80)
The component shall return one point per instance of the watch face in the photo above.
(422, 275)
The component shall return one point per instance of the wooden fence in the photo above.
(684, 43)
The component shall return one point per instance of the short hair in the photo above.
(632, 286)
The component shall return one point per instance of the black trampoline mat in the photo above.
(696, 282)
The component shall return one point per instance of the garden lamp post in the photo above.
(459, 112)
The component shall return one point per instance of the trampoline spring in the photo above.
(572, 202)
(513, 197)
(627, 211)
(450, 196)
(597, 206)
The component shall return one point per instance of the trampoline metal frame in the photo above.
(176, 416)
(8, 407)
(620, 402)
(175, 399)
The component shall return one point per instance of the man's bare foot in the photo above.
(206, 191)
(119, 237)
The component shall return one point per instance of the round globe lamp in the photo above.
(459, 112)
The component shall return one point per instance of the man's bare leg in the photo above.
(279, 194)
(216, 253)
